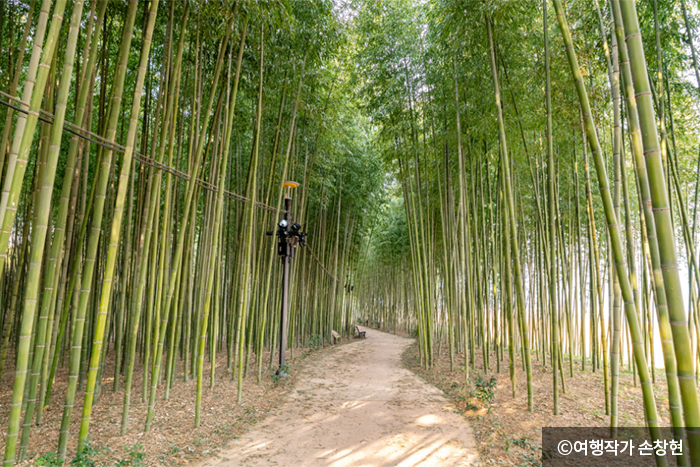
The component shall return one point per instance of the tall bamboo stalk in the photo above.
(123, 187)
(99, 190)
(513, 232)
(8, 211)
(664, 226)
(41, 225)
(614, 232)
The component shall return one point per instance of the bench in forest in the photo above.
(360, 334)
(336, 337)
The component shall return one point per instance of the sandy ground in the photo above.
(358, 407)
(506, 432)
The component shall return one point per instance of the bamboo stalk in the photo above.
(614, 232)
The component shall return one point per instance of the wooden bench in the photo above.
(360, 334)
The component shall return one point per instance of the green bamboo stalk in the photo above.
(551, 266)
(8, 211)
(614, 232)
(248, 226)
(188, 204)
(100, 189)
(171, 144)
(126, 278)
(461, 206)
(218, 215)
(43, 210)
(157, 267)
(52, 292)
(169, 124)
(664, 227)
(513, 230)
(115, 234)
(616, 311)
(26, 124)
(4, 148)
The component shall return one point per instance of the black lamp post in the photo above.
(288, 238)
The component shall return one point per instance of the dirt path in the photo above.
(357, 406)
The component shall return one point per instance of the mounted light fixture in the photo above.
(287, 241)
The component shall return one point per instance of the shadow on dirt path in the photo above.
(358, 407)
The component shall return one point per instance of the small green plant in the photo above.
(315, 342)
(485, 390)
(50, 459)
(522, 442)
(84, 457)
(136, 458)
(472, 407)
(531, 460)
(252, 413)
(283, 370)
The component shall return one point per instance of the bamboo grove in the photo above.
(544, 191)
(509, 182)
(144, 148)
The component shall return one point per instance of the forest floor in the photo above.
(172, 440)
(347, 404)
(507, 434)
(357, 405)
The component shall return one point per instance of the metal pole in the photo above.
(283, 320)
(287, 249)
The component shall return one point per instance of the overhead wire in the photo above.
(76, 130)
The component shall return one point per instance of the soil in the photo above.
(357, 406)
(508, 434)
(359, 403)
(172, 440)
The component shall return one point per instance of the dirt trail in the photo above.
(357, 406)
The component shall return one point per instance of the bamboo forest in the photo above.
(291, 232)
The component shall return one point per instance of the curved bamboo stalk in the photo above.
(614, 232)
(8, 211)
(650, 226)
(664, 227)
(41, 224)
